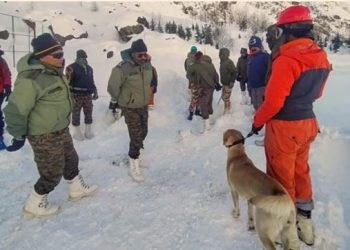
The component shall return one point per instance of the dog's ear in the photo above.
(226, 137)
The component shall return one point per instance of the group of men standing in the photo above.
(251, 73)
(282, 88)
(44, 99)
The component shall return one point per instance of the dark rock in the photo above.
(4, 34)
(143, 21)
(110, 54)
(62, 39)
(126, 32)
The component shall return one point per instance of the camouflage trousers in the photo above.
(55, 156)
(137, 121)
(195, 94)
(226, 94)
(2, 124)
(82, 102)
(205, 102)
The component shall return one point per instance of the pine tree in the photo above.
(173, 28)
(208, 35)
(168, 27)
(336, 43)
(188, 33)
(160, 27)
(153, 25)
(198, 35)
(180, 32)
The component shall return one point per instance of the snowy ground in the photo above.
(184, 202)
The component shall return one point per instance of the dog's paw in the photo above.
(235, 213)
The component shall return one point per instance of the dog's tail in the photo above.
(280, 205)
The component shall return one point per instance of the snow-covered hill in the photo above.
(184, 202)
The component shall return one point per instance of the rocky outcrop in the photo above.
(126, 32)
(4, 34)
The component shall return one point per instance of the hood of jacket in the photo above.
(206, 58)
(224, 54)
(304, 50)
(28, 62)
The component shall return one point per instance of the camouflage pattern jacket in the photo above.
(228, 70)
(203, 73)
(40, 102)
(129, 83)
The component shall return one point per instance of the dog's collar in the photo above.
(236, 142)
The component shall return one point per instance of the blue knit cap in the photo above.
(255, 42)
(44, 45)
(193, 49)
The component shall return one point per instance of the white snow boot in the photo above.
(77, 134)
(135, 170)
(207, 125)
(79, 189)
(305, 230)
(260, 143)
(244, 100)
(227, 107)
(38, 206)
(88, 132)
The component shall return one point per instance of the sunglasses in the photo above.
(141, 55)
(57, 55)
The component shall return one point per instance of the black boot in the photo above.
(190, 116)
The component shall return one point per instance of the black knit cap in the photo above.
(44, 45)
(138, 46)
(81, 54)
(1, 52)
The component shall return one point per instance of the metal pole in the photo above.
(13, 42)
(28, 39)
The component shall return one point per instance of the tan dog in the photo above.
(274, 209)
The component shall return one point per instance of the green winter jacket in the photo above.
(189, 60)
(129, 83)
(203, 73)
(228, 70)
(40, 102)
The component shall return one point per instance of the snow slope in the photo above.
(185, 201)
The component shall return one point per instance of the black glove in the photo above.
(239, 78)
(16, 144)
(7, 93)
(113, 106)
(217, 86)
(256, 130)
(95, 95)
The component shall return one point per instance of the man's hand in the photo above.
(218, 86)
(95, 95)
(16, 144)
(256, 130)
(114, 111)
(7, 93)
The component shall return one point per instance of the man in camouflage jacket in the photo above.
(39, 109)
(128, 86)
(203, 76)
(228, 75)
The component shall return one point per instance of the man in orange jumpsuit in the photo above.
(299, 72)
